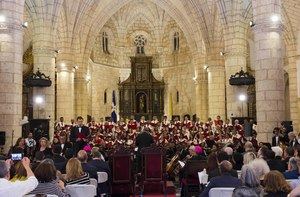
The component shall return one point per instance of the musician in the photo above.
(79, 135)
(165, 122)
(292, 139)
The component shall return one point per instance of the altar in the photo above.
(141, 94)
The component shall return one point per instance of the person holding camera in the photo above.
(17, 188)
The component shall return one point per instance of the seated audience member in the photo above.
(19, 172)
(44, 147)
(59, 161)
(19, 147)
(287, 154)
(38, 158)
(248, 157)
(48, 182)
(101, 166)
(273, 162)
(212, 162)
(292, 139)
(296, 149)
(251, 184)
(64, 144)
(222, 156)
(196, 153)
(260, 168)
(225, 180)
(292, 172)
(16, 188)
(91, 170)
(249, 147)
(275, 185)
(237, 159)
(75, 174)
(263, 152)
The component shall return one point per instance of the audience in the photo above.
(292, 172)
(248, 157)
(250, 184)
(44, 147)
(16, 188)
(222, 156)
(48, 182)
(224, 180)
(276, 185)
(91, 170)
(59, 161)
(260, 168)
(19, 172)
(274, 162)
(75, 173)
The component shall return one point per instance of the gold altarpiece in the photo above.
(141, 94)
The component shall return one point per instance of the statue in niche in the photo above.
(141, 103)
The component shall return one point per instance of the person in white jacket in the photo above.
(17, 188)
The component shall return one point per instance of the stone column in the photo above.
(234, 61)
(216, 91)
(298, 82)
(65, 90)
(269, 66)
(11, 51)
(202, 94)
(44, 60)
(82, 83)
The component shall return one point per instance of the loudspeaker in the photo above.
(2, 138)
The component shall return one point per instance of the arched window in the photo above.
(140, 42)
(176, 41)
(177, 97)
(105, 97)
(105, 42)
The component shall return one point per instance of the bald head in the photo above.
(82, 156)
(225, 166)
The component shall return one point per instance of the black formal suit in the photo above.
(225, 180)
(144, 139)
(276, 164)
(65, 146)
(217, 172)
(81, 132)
(279, 139)
(102, 166)
(293, 142)
(59, 162)
(90, 169)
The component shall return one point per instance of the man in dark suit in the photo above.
(88, 168)
(64, 144)
(101, 166)
(59, 161)
(225, 180)
(222, 156)
(277, 138)
(292, 139)
(79, 135)
(143, 139)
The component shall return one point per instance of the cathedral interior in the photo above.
(179, 54)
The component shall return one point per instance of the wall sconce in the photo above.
(88, 78)
(25, 24)
(275, 18)
(251, 24)
(222, 53)
(75, 67)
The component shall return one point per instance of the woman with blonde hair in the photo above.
(75, 173)
(248, 157)
(276, 185)
(44, 147)
(260, 168)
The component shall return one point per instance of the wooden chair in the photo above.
(190, 181)
(122, 177)
(153, 177)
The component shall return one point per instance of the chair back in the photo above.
(102, 177)
(192, 167)
(121, 166)
(77, 190)
(153, 162)
(94, 182)
(221, 192)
